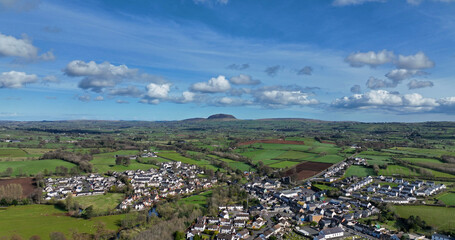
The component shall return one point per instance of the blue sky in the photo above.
(360, 60)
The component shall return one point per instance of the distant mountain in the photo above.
(221, 116)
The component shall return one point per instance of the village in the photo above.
(300, 209)
(148, 187)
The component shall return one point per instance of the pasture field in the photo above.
(32, 167)
(397, 170)
(359, 171)
(29, 220)
(448, 198)
(12, 152)
(285, 155)
(174, 156)
(439, 217)
(235, 164)
(323, 187)
(105, 162)
(100, 203)
(283, 164)
(421, 160)
(200, 199)
(420, 151)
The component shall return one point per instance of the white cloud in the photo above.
(370, 58)
(98, 76)
(50, 79)
(244, 79)
(417, 61)
(227, 101)
(414, 84)
(356, 89)
(353, 2)
(158, 91)
(214, 85)
(15, 79)
(122, 102)
(387, 100)
(84, 98)
(375, 83)
(279, 97)
(22, 49)
(401, 74)
(99, 98)
(130, 91)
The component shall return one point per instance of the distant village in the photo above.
(311, 213)
(172, 178)
(282, 209)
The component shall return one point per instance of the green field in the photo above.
(283, 164)
(100, 203)
(41, 220)
(12, 152)
(174, 156)
(441, 218)
(360, 171)
(397, 170)
(200, 199)
(448, 198)
(105, 162)
(421, 160)
(323, 187)
(34, 166)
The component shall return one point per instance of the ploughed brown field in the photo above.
(275, 141)
(306, 169)
(27, 184)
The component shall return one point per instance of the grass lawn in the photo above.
(106, 162)
(41, 220)
(448, 198)
(12, 152)
(421, 160)
(100, 203)
(328, 159)
(397, 170)
(360, 171)
(283, 164)
(438, 217)
(34, 166)
(323, 187)
(179, 158)
(200, 199)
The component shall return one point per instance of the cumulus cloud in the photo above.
(227, 101)
(99, 98)
(156, 92)
(387, 100)
(98, 76)
(375, 83)
(240, 67)
(356, 89)
(50, 79)
(214, 85)
(417, 61)
(414, 84)
(84, 98)
(307, 70)
(19, 5)
(243, 79)
(239, 91)
(280, 97)
(401, 74)
(22, 49)
(353, 2)
(370, 58)
(15, 79)
(273, 70)
(130, 91)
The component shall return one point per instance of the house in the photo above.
(223, 236)
(244, 234)
(199, 227)
(330, 233)
(227, 229)
(437, 236)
